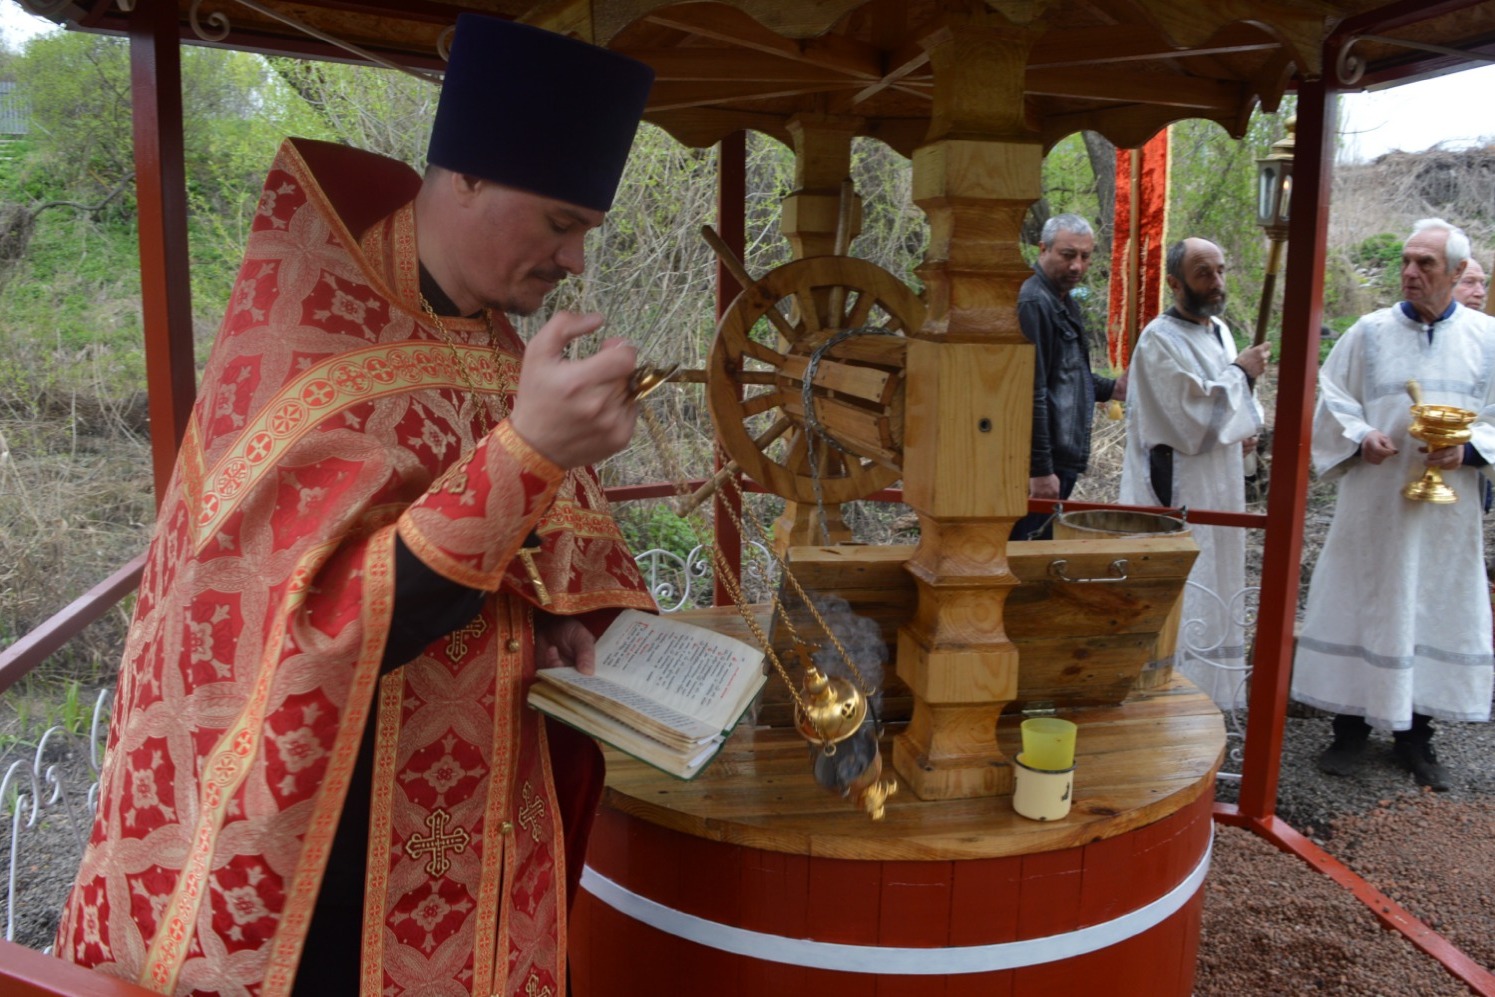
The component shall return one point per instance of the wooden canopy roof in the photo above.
(1123, 68)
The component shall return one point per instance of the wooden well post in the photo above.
(969, 418)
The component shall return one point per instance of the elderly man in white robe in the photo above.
(1470, 290)
(1397, 629)
(1191, 418)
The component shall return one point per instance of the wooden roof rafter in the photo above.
(1139, 43)
(907, 60)
(1112, 33)
(745, 52)
(1195, 65)
(699, 64)
(738, 30)
(1210, 97)
(674, 97)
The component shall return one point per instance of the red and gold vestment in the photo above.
(332, 415)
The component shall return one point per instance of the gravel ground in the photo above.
(1272, 925)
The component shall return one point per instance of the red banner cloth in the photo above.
(1129, 310)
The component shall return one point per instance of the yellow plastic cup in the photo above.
(1048, 743)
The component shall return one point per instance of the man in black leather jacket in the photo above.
(1065, 391)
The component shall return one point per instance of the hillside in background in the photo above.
(1375, 205)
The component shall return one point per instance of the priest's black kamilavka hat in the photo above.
(536, 110)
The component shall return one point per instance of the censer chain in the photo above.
(788, 576)
(656, 434)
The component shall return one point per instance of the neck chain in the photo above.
(485, 417)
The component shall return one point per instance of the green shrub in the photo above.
(647, 526)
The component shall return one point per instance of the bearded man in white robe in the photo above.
(1397, 629)
(1191, 418)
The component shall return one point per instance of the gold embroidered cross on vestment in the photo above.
(437, 844)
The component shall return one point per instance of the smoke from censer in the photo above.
(862, 639)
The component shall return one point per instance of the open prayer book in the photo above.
(665, 691)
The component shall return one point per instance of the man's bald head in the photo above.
(1196, 276)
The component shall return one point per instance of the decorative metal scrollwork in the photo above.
(36, 787)
(1350, 68)
(677, 582)
(220, 26)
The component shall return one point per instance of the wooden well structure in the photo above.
(751, 877)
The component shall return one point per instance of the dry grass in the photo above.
(75, 504)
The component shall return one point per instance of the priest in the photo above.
(381, 518)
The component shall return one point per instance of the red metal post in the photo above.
(161, 193)
(1302, 313)
(731, 225)
(26, 973)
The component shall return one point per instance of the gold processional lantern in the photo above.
(1274, 186)
(1274, 192)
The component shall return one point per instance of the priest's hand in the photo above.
(575, 412)
(1444, 458)
(562, 641)
(1376, 447)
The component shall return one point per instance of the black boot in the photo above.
(1346, 756)
(1413, 751)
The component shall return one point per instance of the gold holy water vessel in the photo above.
(1438, 426)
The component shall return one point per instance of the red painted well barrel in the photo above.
(744, 884)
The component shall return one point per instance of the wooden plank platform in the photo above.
(1135, 764)
(1081, 642)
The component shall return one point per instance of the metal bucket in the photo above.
(1107, 524)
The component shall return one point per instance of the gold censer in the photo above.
(1437, 426)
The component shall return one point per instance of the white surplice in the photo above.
(1398, 616)
(1185, 392)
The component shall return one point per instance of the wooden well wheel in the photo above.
(841, 322)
